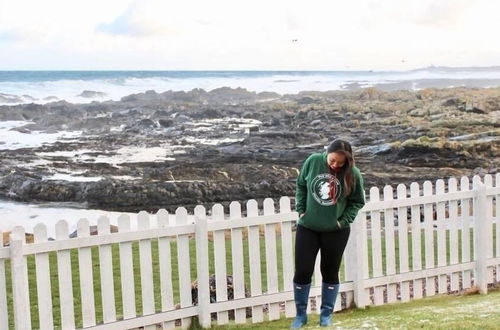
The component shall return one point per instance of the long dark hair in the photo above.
(344, 147)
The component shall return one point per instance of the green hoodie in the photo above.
(311, 196)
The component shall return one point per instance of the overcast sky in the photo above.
(247, 34)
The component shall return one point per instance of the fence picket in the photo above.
(43, 286)
(358, 263)
(349, 299)
(20, 284)
(453, 230)
(481, 237)
(64, 273)
(220, 263)
(441, 237)
(403, 242)
(165, 265)
(416, 242)
(146, 269)
(488, 181)
(466, 233)
(497, 224)
(106, 270)
(378, 296)
(365, 270)
(202, 268)
(287, 255)
(430, 285)
(237, 258)
(126, 270)
(318, 279)
(86, 277)
(4, 317)
(271, 260)
(390, 249)
(254, 261)
(349, 258)
(317, 282)
(184, 265)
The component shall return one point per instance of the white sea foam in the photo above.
(212, 141)
(71, 177)
(129, 154)
(64, 153)
(125, 177)
(282, 83)
(11, 139)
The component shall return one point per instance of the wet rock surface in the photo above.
(163, 150)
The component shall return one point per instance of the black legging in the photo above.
(308, 242)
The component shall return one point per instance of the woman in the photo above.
(328, 197)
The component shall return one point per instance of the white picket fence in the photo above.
(413, 228)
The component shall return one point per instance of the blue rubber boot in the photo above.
(301, 296)
(328, 296)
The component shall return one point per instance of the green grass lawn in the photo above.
(156, 275)
(473, 311)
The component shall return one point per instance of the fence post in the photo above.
(22, 317)
(480, 237)
(358, 265)
(202, 270)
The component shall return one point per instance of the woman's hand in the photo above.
(301, 215)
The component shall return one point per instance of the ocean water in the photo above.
(46, 86)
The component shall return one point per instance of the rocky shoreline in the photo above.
(164, 150)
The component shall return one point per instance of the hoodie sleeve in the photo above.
(355, 202)
(301, 188)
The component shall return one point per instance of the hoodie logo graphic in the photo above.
(321, 186)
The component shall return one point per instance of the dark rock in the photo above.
(213, 294)
(301, 114)
(252, 129)
(377, 149)
(166, 122)
(305, 100)
(92, 94)
(9, 98)
(454, 102)
(276, 134)
(28, 98)
(275, 122)
(147, 123)
(207, 166)
(94, 231)
(21, 130)
(269, 95)
(478, 109)
(161, 113)
(211, 113)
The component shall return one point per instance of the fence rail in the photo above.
(405, 244)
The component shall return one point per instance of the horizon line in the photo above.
(258, 70)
